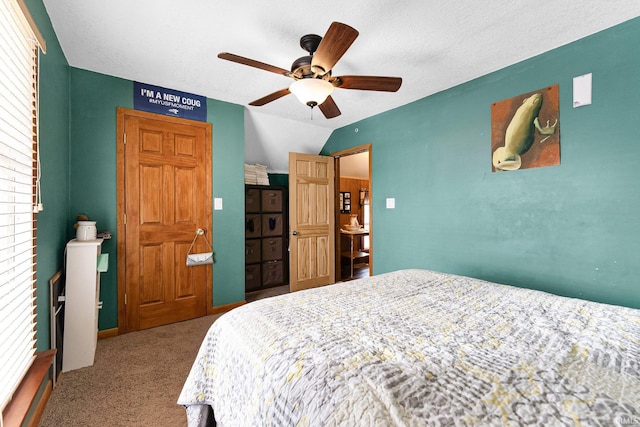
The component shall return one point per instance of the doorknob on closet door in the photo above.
(295, 233)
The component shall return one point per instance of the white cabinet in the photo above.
(84, 262)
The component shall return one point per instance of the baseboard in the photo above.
(42, 404)
(224, 308)
(113, 332)
(108, 333)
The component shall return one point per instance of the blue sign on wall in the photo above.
(156, 99)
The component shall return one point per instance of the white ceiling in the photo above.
(433, 45)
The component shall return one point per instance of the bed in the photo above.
(414, 348)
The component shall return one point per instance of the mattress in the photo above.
(415, 348)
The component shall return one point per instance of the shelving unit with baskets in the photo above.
(266, 237)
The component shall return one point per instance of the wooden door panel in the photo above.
(302, 167)
(303, 261)
(150, 206)
(314, 261)
(185, 146)
(322, 170)
(323, 216)
(151, 286)
(167, 198)
(312, 227)
(324, 256)
(183, 276)
(303, 214)
(313, 257)
(150, 141)
(186, 210)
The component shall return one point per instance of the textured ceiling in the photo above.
(432, 45)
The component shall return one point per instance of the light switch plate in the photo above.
(391, 203)
(217, 203)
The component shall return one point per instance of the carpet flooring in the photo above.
(135, 380)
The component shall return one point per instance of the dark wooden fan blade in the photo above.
(333, 45)
(384, 84)
(329, 108)
(253, 63)
(271, 97)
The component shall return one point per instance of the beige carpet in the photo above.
(135, 380)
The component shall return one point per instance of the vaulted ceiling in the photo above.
(432, 45)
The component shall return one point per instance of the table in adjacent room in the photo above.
(351, 254)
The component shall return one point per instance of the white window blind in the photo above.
(18, 204)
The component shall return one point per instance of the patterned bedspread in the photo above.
(415, 348)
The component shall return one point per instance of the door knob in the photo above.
(295, 233)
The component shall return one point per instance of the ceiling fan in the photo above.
(313, 82)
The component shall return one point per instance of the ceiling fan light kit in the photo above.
(311, 91)
(313, 83)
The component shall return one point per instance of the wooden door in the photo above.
(167, 197)
(311, 221)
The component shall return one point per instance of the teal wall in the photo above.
(279, 179)
(572, 229)
(228, 183)
(94, 99)
(54, 155)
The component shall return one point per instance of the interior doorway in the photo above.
(164, 196)
(354, 238)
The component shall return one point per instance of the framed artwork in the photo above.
(345, 202)
(525, 131)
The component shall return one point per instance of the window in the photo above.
(363, 196)
(366, 223)
(19, 187)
